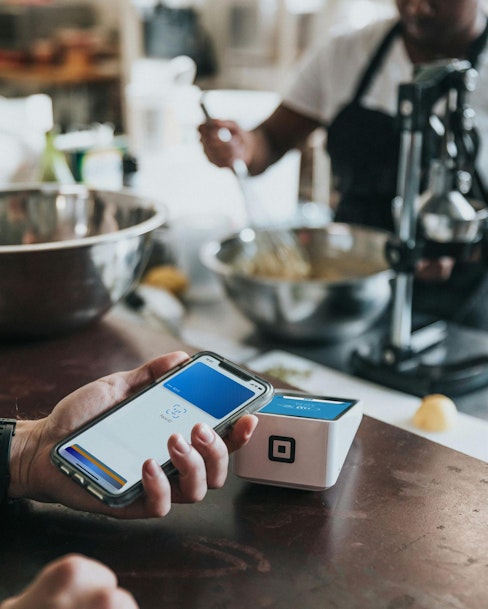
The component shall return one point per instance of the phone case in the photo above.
(120, 500)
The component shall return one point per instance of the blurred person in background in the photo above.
(349, 87)
(75, 581)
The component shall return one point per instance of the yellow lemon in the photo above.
(436, 412)
(167, 277)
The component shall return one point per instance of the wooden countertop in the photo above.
(404, 527)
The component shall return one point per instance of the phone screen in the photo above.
(311, 407)
(112, 451)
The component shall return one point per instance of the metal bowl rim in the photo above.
(137, 230)
(209, 258)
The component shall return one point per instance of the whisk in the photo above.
(279, 254)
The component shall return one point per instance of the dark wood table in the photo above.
(405, 527)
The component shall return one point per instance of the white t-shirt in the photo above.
(328, 77)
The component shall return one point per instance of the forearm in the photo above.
(260, 152)
(284, 130)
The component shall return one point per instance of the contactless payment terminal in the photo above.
(302, 440)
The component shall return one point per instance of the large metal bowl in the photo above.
(313, 310)
(67, 254)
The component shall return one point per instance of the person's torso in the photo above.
(359, 110)
(329, 77)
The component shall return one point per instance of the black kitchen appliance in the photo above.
(442, 223)
(169, 32)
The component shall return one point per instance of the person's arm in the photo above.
(73, 582)
(284, 130)
(201, 465)
(434, 271)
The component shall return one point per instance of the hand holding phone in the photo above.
(106, 455)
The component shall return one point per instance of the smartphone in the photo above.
(106, 455)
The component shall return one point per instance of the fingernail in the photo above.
(181, 445)
(152, 469)
(205, 434)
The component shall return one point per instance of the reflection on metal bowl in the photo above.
(348, 291)
(68, 254)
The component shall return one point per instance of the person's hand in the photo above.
(201, 465)
(223, 142)
(435, 270)
(73, 582)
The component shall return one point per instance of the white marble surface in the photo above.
(469, 435)
(219, 327)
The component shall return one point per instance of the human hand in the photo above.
(73, 582)
(201, 465)
(435, 270)
(223, 142)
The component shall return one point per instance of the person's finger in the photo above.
(435, 270)
(241, 432)
(108, 599)
(199, 468)
(154, 503)
(192, 475)
(76, 571)
(77, 582)
(214, 453)
(71, 576)
(152, 370)
(217, 152)
(157, 500)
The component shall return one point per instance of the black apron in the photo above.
(364, 146)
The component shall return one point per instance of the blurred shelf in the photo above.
(60, 75)
(82, 92)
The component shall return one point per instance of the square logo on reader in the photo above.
(282, 449)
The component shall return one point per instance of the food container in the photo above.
(68, 254)
(349, 289)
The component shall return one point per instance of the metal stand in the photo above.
(399, 361)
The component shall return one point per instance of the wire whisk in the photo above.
(278, 252)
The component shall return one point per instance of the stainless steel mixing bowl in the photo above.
(67, 254)
(353, 293)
